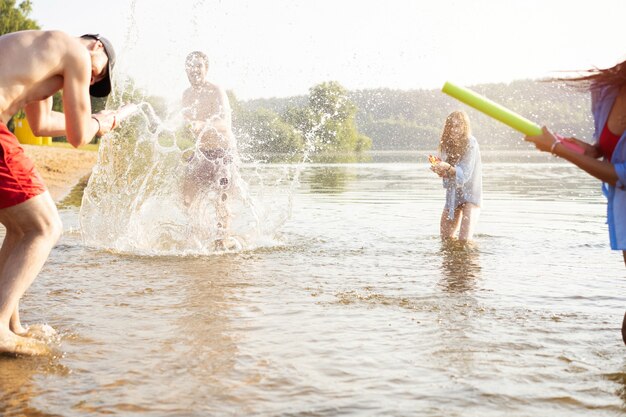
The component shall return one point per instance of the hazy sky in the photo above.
(267, 48)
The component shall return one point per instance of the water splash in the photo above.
(137, 198)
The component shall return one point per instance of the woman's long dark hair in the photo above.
(597, 77)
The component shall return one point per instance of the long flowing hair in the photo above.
(600, 77)
(454, 144)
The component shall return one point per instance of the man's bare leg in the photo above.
(33, 228)
(14, 324)
(9, 242)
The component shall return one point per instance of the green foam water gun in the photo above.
(501, 113)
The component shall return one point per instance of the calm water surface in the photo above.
(359, 310)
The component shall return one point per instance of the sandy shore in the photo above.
(61, 168)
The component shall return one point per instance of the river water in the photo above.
(356, 309)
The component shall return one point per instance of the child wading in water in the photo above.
(461, 171)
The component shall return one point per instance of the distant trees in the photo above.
(401, 119)
(15, 17)
(325, 124)
(329, 120)
(266, 133)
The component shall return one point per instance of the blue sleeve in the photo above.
(620, 169)
(465, 167)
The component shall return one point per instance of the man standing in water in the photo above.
(33, 66)
(206, 108)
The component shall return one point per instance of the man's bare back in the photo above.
(37, 64)
(33, 66)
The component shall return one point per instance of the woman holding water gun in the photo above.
(608, 105)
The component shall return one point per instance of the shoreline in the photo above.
(61, 168)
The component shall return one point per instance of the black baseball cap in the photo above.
(103, 87)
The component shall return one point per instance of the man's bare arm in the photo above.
(80, 127)
(43, 120)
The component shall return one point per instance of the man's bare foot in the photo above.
(14, 344)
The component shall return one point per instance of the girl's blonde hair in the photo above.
(455, 145)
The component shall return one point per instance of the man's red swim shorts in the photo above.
(19, 180)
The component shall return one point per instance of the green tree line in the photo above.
(322, 125)
(404, 120)
(14, 17)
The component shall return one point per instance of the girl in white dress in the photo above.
(460, 168)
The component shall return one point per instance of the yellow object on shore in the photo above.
(25, 135)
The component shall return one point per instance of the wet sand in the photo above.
(61, 168)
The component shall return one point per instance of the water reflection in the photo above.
(459, 310)
(342, 158)
(329, 180)
(18, 389)
(620, 379)
(460, 266)
(224, 335)
(205, 322)
(203, 332)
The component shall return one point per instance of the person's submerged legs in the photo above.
(448, 227)
(469, 219)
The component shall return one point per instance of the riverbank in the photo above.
(61, 168)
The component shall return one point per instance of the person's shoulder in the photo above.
(214, 87)
(38, 38)
(57, 38)
(64, 43)
(57, 34)
(58, 46)
(218, 91)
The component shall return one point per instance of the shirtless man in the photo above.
(33, 66)
(206, 108)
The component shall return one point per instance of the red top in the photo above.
(608, 142)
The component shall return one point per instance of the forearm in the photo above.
(53, 124)
(91, 129)
(43, 120)
(602, 170)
